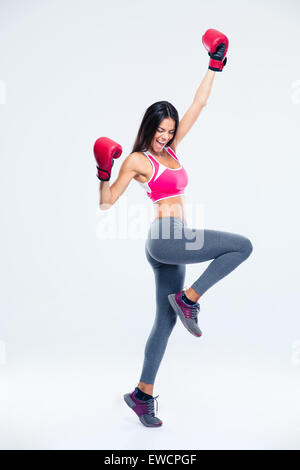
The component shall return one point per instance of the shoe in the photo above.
(144, 409)
(187, 313)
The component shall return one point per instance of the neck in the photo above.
(157, 154)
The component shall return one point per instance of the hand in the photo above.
(218, 56)
(105, 150)
(216, 43)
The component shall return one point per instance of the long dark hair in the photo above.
(153, 116)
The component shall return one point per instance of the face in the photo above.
(164, 134)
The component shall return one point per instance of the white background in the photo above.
(76, 310)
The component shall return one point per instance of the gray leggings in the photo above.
(171, 245)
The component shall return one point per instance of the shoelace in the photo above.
(191, 311)
(150, 406)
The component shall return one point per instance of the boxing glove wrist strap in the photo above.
(104, 175)
(217, 65)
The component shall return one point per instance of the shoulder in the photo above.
(173, 146)
(135, 162)
(131, 159)
(173, 151)
(135, 159)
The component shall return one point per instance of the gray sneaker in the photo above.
(144, 409)
(187, 313)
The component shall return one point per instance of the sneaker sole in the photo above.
(177, 309)
(132, 405)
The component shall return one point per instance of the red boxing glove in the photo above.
(216, 43)
(105, 150)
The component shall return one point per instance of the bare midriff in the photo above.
(170, 207)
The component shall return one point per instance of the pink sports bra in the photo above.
(165, 182)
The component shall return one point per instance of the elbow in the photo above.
(104, 206)
(201, 103)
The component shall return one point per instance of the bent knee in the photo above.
(247, 247)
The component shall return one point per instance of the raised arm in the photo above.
(216, 43)
(196, 107)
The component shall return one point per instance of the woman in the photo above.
(155, 165)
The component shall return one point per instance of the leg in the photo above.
(228, 250)
(168, 278)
